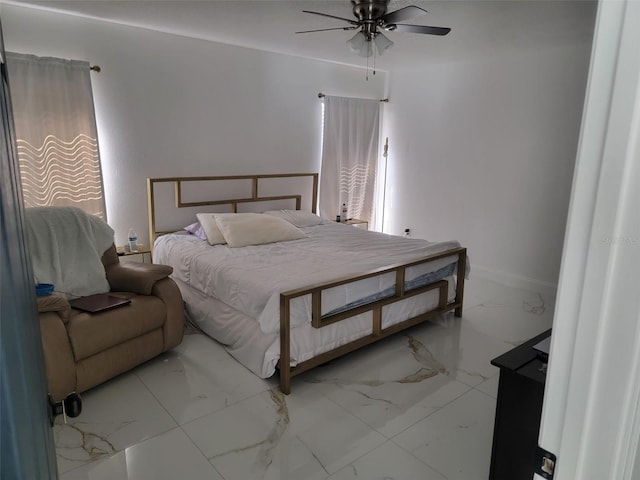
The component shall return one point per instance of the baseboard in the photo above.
(548, 289)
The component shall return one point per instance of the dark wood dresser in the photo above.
(518, 410)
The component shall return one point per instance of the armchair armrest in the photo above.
(55, 303)
(137, 278)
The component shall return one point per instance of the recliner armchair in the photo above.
(82, 350)
(73, 251)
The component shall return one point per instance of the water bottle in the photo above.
(343, 214)
(133, 240)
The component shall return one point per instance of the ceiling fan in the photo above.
(372, 17)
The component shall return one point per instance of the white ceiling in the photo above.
(478, 26)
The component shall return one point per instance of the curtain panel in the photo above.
(56, 133)
(349, 157)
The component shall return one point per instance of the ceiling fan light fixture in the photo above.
(357, 43)
(382, 43)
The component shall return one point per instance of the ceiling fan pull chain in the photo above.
(367, 74)
(374, 58)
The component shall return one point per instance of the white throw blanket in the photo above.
(66, 249)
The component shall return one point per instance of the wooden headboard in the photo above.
(173, 201)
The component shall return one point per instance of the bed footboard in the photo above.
(377, 332)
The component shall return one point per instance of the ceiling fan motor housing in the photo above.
(369, 10)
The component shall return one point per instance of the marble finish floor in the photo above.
(419, 405)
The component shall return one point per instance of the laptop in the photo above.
(98, 302)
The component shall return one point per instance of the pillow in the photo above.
(244, 229)
(210, 227)
(197, 230)
(297, 217)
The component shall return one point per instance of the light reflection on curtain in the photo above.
(56, 133)
(349, 157)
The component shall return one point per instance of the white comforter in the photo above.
(250, 279)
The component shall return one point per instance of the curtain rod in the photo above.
(95, 68)
(322, 95)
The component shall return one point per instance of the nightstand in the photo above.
(142, 255)
(363, 224)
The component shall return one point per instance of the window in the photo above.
(349, 157)
(56, 133)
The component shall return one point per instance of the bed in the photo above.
(291, 305)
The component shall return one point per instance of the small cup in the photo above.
(43, 289)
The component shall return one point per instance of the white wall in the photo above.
(175, 106)
(483, 152)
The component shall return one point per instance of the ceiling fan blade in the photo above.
(419, 29)
(404, 13)
(326, 29)
(351, 21)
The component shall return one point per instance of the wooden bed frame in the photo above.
(317, 319)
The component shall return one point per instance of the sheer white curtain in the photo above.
(349, 157)
(56, 133)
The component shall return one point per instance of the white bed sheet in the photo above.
(250, 279)
(260, 352)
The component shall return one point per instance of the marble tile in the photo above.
(273, 436)
(115, 415)
(478, 289)
(248, 441)
(387, 462)
(490, 387)
(196, 413)
(456, 440)
(199, 377)
(390, 386)
(290, 460)
(169, 456)
(318, 422)
(507, 313)
(465, 352)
